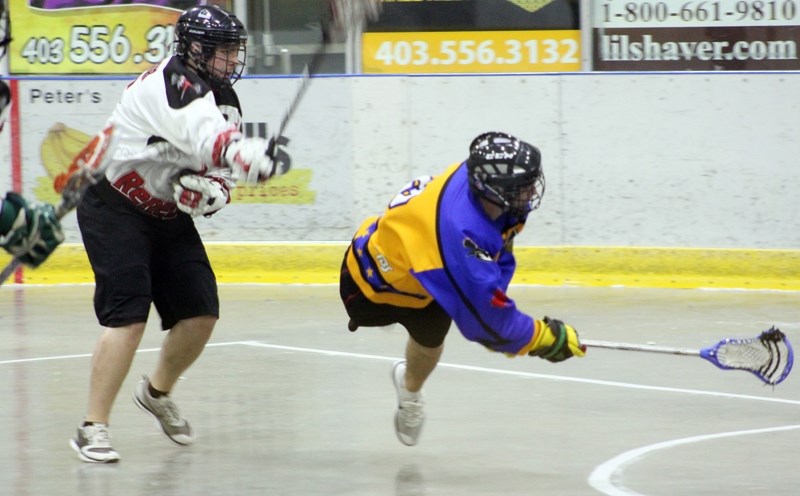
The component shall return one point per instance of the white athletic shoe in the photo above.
(410, 417)
(166, 413)
(93, 444)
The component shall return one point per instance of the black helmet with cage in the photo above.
(200, 32)
(507, 172)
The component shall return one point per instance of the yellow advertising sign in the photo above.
(471, 51)
(74, 37)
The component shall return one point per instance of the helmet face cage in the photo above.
(207, 38)
(506, 172)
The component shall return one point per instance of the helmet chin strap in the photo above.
(197, 68)
(493, 207)
(498, 200)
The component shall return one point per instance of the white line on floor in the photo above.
(531, 374)
(86, 355)
(607, 476)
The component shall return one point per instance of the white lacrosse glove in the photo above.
(200, 195)
(248, 159)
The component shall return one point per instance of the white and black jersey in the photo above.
(169, 121)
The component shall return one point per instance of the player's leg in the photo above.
(111, 362)
(427, 328)
(119, 255)
(185, 296)
(420, 362)
(182, 345)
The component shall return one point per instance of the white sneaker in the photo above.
(410, 417)
(166, 413)
(93, 444)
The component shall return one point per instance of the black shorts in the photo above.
(428, 326)
(138, 260)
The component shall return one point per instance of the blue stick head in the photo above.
(769, 356)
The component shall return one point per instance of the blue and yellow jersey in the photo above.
(435, 241)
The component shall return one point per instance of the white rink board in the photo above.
(688, 159)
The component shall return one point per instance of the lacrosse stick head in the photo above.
(769, 356)
(87, 167)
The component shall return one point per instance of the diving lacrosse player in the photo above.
(180, 152)
(442, 252)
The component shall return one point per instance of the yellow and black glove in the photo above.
(556, 341)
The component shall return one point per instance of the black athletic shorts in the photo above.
(428, 326)
(138, 260)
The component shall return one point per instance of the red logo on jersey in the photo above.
(500, 299)
(183, 84)
(132, 186)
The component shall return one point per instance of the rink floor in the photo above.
(286, 401)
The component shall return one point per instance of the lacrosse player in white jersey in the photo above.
(180, 152)
(29, 231)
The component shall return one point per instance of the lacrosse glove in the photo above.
(29, 231)
(201, 195)
(249, 160)
(556, 341)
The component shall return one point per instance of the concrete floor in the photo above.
(285, 401)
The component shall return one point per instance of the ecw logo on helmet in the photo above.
(506, 172)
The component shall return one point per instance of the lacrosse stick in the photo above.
(346, 16)
(85, 170)
(769, 356)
